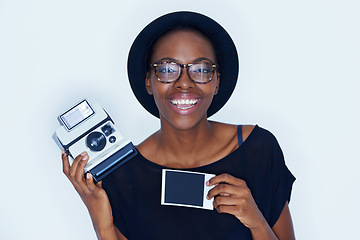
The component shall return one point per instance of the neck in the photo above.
(182, 148)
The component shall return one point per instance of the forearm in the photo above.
(263, 232)
(102, 220)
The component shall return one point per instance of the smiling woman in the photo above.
(183, 68)
(182, 48)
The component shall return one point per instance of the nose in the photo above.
(184, 82)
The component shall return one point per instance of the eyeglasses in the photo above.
(200, 72)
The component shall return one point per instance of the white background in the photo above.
(299, 79)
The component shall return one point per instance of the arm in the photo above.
(93, 195)
(283, 228)
(231, 195)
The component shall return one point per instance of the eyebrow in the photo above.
(167, 58)
(175, 60)
(202, 59)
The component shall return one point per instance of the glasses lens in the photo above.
(167, 72)
(201, 72)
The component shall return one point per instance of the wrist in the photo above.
(263, 231)
(103, 224)
(106, 233)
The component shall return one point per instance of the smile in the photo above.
(184, 104)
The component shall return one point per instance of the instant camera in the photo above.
(89, 128)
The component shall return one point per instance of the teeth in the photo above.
(184, 101)
(183, 108)
(180, 102)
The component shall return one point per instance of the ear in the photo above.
(148, 83)
(217, 83)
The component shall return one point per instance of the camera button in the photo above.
(112, 139)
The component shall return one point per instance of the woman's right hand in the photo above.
(93, 195)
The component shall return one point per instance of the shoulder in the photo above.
(263, 134)
(223, 128)
(246, 131)
(260, 140)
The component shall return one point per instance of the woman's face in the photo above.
(182, 103)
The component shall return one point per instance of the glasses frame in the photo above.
(182, 66)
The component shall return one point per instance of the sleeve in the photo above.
(281, 183)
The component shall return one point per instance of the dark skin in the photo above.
(201, 142)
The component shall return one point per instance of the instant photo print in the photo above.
(89, 128)
(185, 189)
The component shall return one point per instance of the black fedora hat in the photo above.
(226, 54)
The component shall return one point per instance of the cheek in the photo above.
(213, 87)
(151, 83)
(158, 89)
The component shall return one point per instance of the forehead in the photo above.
(183, 44)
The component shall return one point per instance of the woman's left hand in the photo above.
(231, 195)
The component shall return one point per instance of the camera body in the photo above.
(89, 128)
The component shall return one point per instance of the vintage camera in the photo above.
(90, 128)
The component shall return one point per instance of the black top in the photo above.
(134, 191)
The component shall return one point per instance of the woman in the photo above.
(183, 68)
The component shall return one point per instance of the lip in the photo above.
(184, 103)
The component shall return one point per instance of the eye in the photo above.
(200, 68)
(167, 68)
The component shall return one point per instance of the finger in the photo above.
(99, 184)
(229, 201)
(229, 209)
(75, 164)
(226, 178)
(224, 194)
(79, 174)
(65, 163)
(90, 183)
(222, 189)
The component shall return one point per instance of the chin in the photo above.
(184, 123)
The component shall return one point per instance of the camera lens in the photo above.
(112, 139)
(96, 141)
(107, 129)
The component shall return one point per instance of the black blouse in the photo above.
(134, 191)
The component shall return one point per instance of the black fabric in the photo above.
(134, 192)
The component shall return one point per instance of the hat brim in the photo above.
(226, 53)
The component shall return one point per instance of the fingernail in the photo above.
(63, 152)
(88, 175)
(207, 197)
(207, 183)
(83, 153)
(85, 157)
